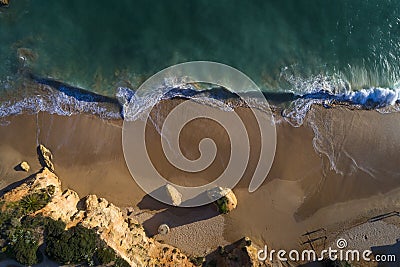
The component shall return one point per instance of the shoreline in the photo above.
(294, 199)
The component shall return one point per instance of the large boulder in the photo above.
(173, 194)
(45, 157)
(226, 200)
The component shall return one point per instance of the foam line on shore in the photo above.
(62, 99)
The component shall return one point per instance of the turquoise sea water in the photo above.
(297, 46)
(100, 44)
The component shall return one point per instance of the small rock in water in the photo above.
(24, 166)
(26, 54)
(174, 194)
(163, 229)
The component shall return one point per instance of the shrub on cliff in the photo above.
(106, 256)
(72, 246)
(78, 245)
(38, 200)
(23, 245)
(21, 241)
(54, 228)
(222, 205)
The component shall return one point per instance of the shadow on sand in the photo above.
(16, 184)
(173, 216)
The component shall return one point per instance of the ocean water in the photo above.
(348, 49)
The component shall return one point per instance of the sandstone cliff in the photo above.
(126, 237)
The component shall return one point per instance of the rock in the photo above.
(240, 253)
(231, 200)
(163, 229)
(4, 2)
(41, 180)
(245, 241)
(26, 54)
(174, 194)
(225, 199)
(45, 157)
(63, 206)
(24, 166)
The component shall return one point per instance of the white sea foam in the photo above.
(384, 100)
(55, 102)
(378, 97)
(132, 106)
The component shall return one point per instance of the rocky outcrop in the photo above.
(45, 157)
(42, 180)
(125, 236)
(240, 253)
(4, 2)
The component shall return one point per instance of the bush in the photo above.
(120, 262)
(197, 261)
(54, 229)
(105, 256)
(73, 246)
(23, 246)
(36, 201)
(20, 241)
(222, 205)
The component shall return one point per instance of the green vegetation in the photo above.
(34, 202)
(17, 240)
(21, 234)
(120, 262)
(78, 245)
(72, 246)
(23, 245)
(197, 261)
(105, 256)
(222, 205)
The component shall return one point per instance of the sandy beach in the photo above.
(303, 191)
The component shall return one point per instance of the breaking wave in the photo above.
(59, 98)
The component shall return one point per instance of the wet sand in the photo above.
(302, 192)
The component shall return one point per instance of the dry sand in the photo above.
(301, 193)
